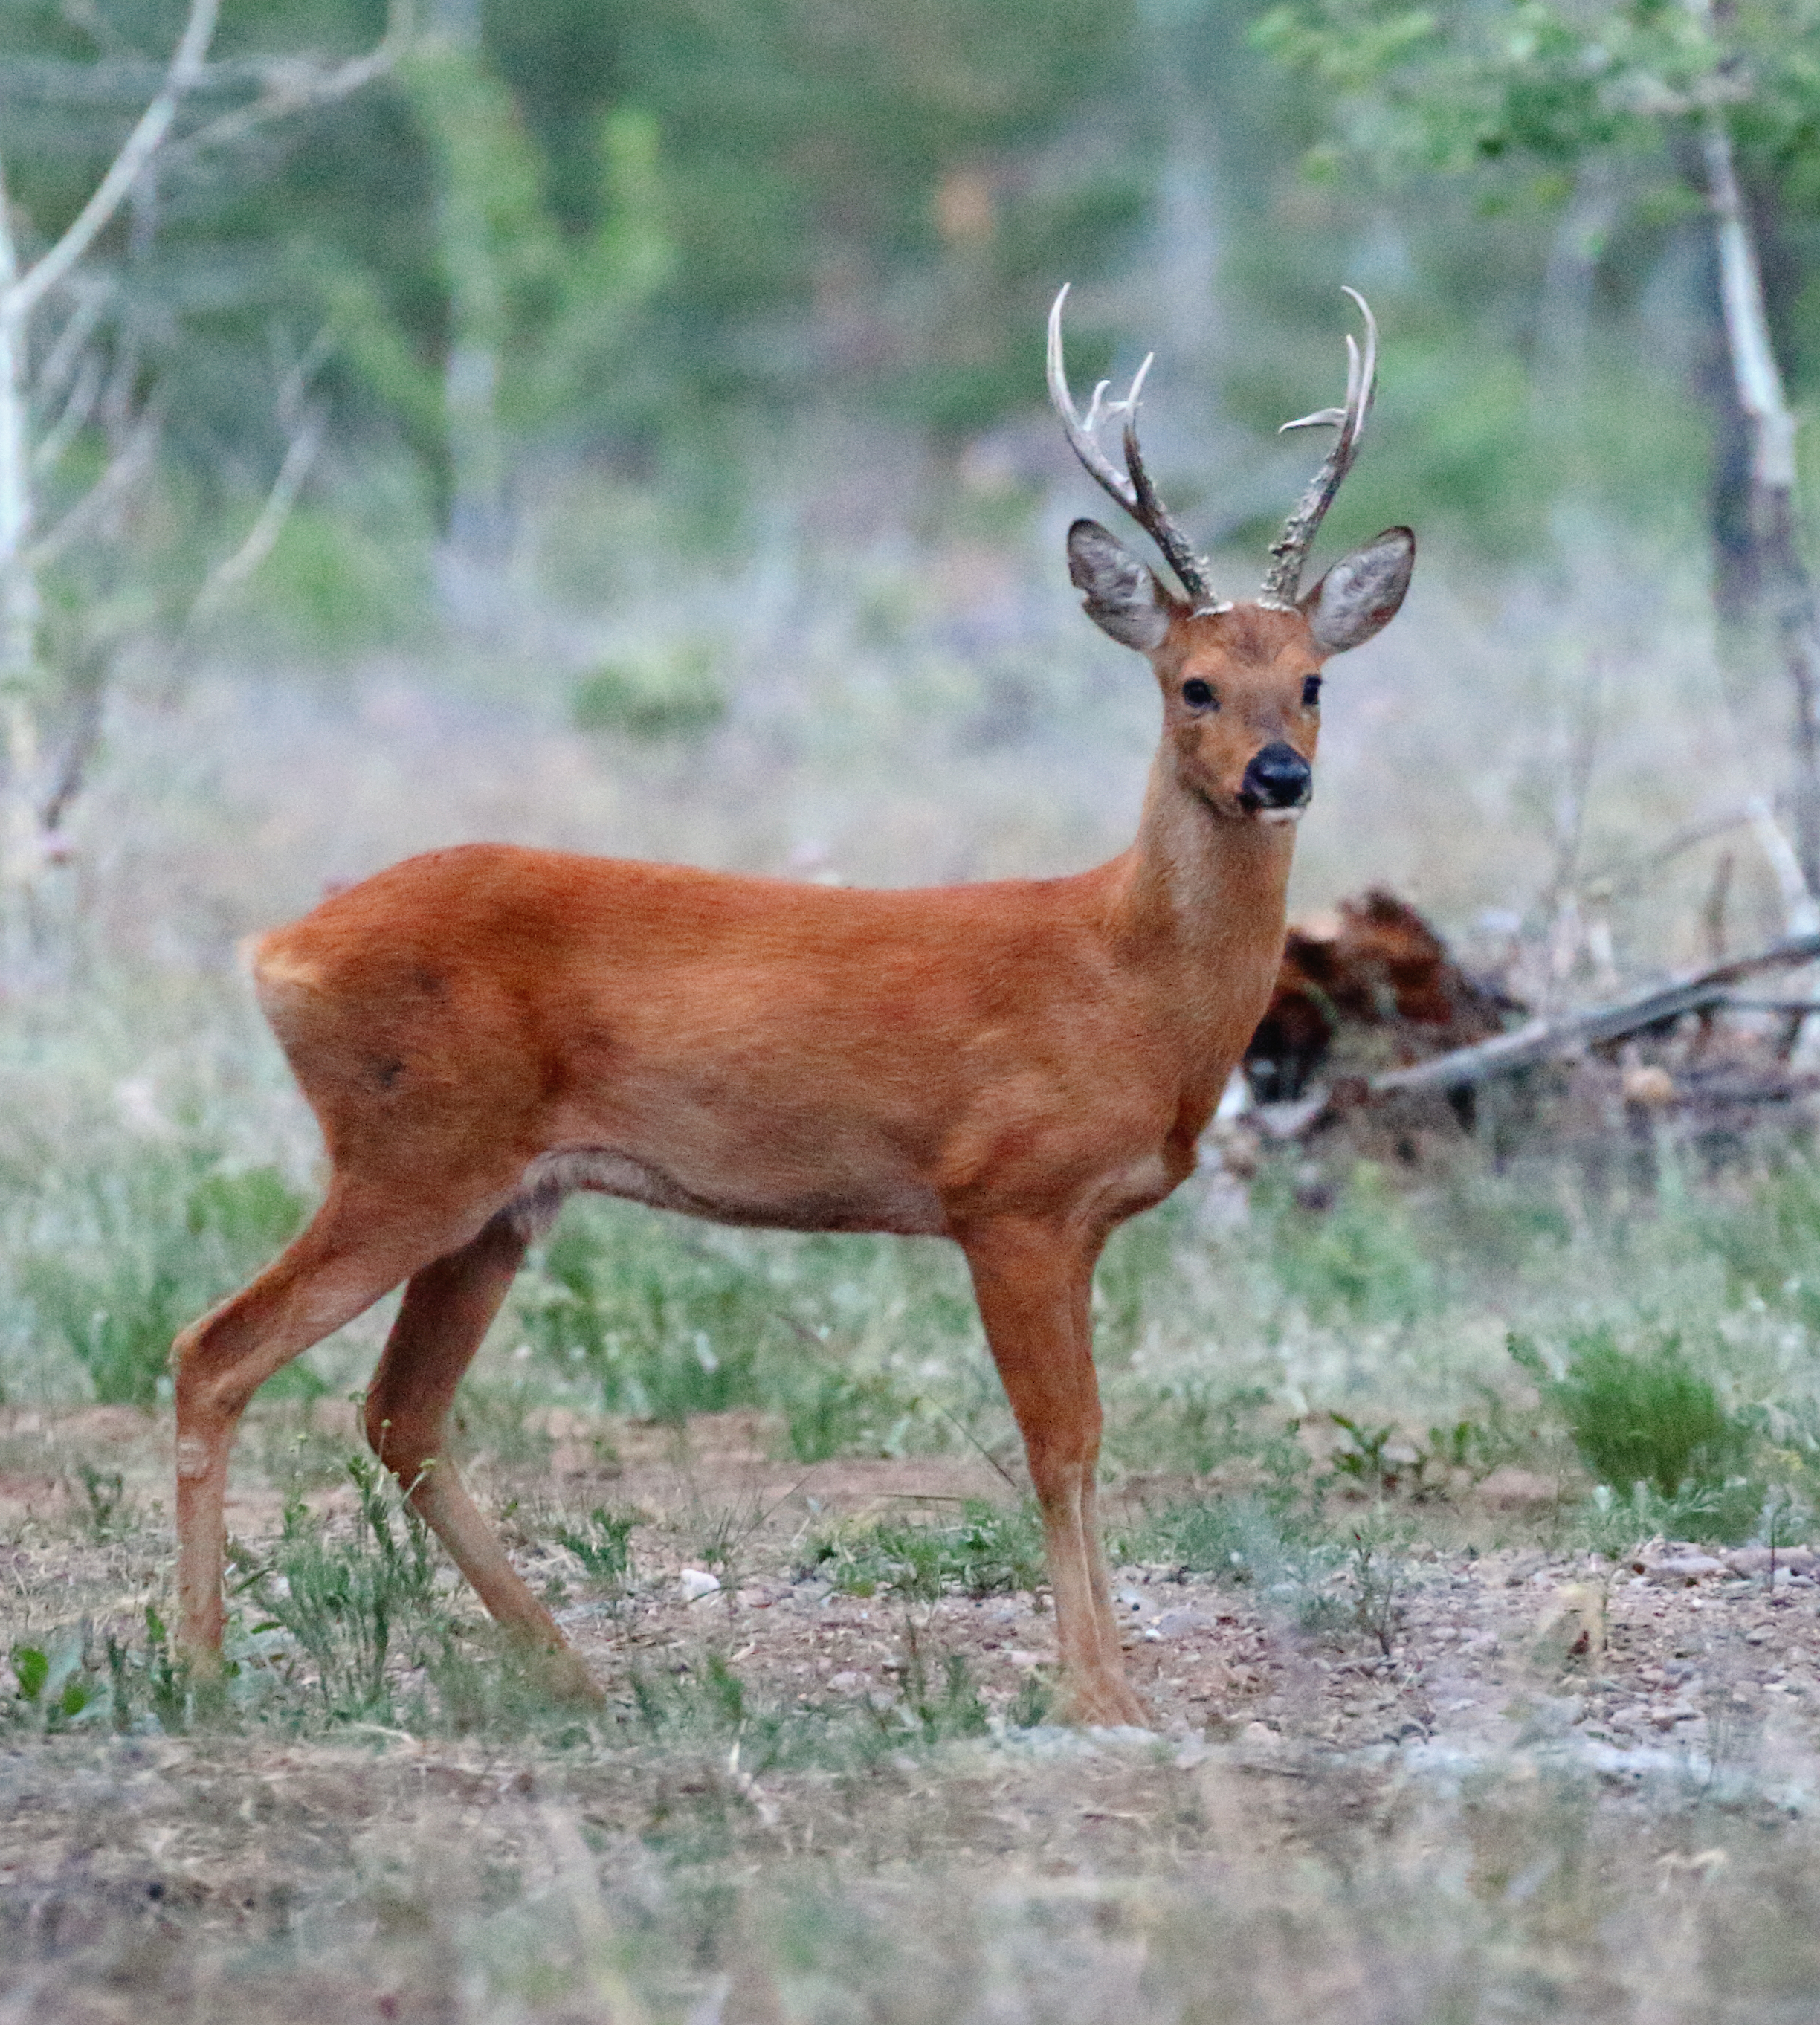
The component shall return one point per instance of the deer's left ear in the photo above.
(1361, 594)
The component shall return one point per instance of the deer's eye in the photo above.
(1310, 692)
(1197, 695)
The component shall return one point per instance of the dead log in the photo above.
(1570, 1033)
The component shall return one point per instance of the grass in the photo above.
(986, 1551)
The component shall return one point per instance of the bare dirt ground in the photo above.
(273, 1870)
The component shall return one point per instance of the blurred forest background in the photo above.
(621, 427)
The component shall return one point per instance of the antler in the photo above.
(1131, 487)
(1283, 580)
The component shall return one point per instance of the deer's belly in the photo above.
(773, 1201)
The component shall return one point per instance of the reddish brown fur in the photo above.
(1018, 1066)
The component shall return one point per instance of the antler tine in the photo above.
(1131, 487)
(1283, 580)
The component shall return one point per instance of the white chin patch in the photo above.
(1279, 815)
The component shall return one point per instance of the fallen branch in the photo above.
(1573, 1033)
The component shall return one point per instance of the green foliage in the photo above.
(1361, 1260)
(349, 1603)
(1465, 85)
(1770, 1240)
(678, 697)
(663, 1331)
(1643, 1418)
(661, 1322)
(603, 1545)
(333, 584)
(66, 1683)
(1191, 1424)
(830, 1411)
(145, 1248)
(988, 1550)
(940, 1714)
(109, 1511)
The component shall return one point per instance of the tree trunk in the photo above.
(19, 618)
(1787, 589)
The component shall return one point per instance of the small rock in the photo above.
(693, 1584)
(1025, 1658)
(1132, 1605)
(1755, 1560)
(844, 1684)
(1173, 1623)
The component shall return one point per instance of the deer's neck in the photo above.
(1201, 900)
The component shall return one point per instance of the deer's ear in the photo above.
(1123, 598)
(1361, 594)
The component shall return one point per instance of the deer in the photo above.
(1015, 1066)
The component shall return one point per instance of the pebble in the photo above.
(693, 1584)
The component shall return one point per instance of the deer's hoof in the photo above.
(1102, 1702)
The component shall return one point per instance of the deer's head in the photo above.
(1241, 682)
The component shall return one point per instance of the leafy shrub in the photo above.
(145, 1250)
(1648, 1418)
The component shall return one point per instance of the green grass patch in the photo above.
(989, 1550)
(130, 1256)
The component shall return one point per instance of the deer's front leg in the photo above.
(1034, 1286)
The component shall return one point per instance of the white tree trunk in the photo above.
(1772, 431)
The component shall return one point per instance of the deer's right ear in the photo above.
(1123, 598)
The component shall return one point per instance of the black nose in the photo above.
(1278, 777)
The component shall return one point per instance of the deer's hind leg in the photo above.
(447, 1308)
(358, 1246)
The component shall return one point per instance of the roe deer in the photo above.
(1018, 1066)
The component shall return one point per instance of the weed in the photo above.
(65, 1683)
(108, 1511)
(1366, 1456)
(835, 1411)
(347, 1602)
(1031, 1705)
(602, 1543)
(1374, 1576)
(936, 1714)
(1189, 1424)
(53, 1686)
